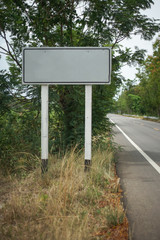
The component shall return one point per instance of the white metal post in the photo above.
(88, 125)
(44, 127)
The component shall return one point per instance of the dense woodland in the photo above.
(143, 98)
(95, 23)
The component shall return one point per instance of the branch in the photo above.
(119, 38)
(9, 48)
(4, 53)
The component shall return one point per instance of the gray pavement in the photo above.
(139, 180)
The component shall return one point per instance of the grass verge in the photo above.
(66, 203)
(152, 119)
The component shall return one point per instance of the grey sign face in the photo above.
(66, 66)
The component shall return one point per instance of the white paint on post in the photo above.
(88, 124)
(44, 127)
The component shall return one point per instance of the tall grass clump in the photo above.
(66, 203)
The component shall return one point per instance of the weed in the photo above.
(63, 203)
(114, 216)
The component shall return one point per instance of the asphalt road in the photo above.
(139, 170)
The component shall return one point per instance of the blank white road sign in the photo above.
(79, 65)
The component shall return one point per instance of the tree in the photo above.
(129, 101)
(59, 23)
(144, 98)
(150, 80)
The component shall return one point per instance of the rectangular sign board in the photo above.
(72, 65)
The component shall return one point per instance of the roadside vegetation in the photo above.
(143, 98)
(62, 23)
(66, 202)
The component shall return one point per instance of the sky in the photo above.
(153, 12)
(127, 72)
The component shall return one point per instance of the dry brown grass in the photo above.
(66, 203)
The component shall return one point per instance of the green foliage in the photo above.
(63, 23)
(134, 102)
(114, 216)
(144, 98)
(71, 102)
(130, 101)
(20, 134)
(5, 96)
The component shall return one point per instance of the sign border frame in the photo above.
(66, 48)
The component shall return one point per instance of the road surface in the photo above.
(139, 170)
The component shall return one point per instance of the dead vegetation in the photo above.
(66, 203)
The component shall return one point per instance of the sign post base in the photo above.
(44, 166)
(87, 165)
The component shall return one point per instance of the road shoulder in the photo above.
(137, 179)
